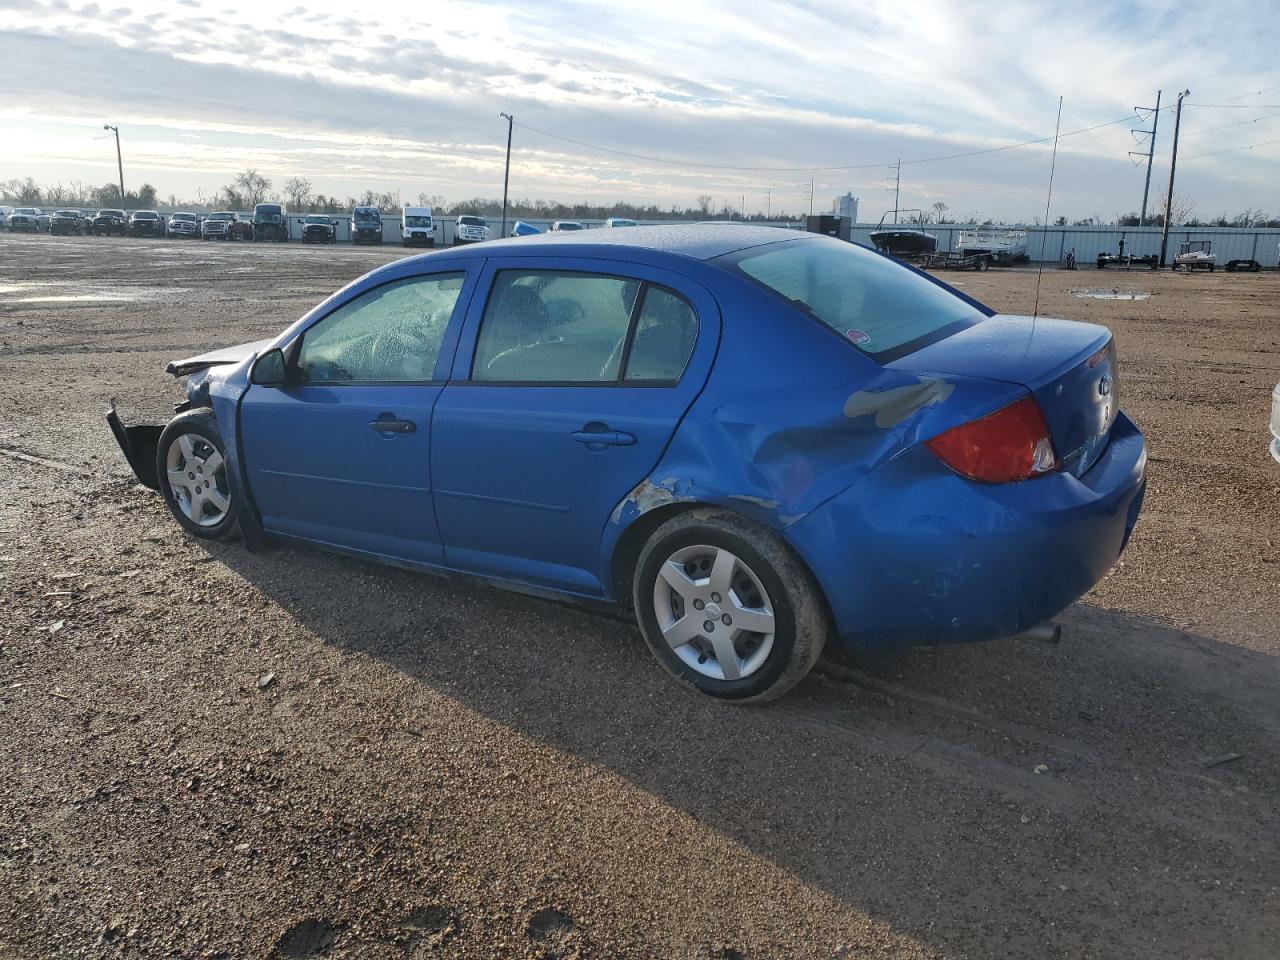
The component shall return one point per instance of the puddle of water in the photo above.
(1105, 293)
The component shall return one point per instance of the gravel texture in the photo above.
(210, 753)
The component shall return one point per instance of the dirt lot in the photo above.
(208, 753)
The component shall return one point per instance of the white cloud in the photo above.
(407, 94)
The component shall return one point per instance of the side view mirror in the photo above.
(269, 370)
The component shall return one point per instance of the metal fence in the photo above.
(1051, 244)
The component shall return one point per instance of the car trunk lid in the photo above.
(1069, 367)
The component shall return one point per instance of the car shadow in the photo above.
(1111, 795)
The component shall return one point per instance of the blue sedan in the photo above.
(755, 440)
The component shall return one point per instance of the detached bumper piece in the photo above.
(138, 445)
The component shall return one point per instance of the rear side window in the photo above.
(546, 326)
(665, 332)
(391, 334)
(543, 326)
(882, 308)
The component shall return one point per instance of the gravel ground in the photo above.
(211, 753)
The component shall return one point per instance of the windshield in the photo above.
(322, 220)
(883, 308)
(65, 213)
(111, 213)
(221, 216)
(473, 221)
(184, 217)
(145, 215)
(417, 221)
(569, 226)
(366, 213)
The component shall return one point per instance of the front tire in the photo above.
(191, 466)
(727, 607)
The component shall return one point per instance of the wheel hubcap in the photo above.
(197, 477)
(714, 612)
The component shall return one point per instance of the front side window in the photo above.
(389, 335)
(543, 326)
(881, 307)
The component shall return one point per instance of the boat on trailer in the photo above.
(1004, 245)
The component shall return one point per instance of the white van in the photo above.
(417, 227)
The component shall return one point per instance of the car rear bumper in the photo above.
(917, 555)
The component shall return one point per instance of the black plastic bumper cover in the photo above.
(139, 446)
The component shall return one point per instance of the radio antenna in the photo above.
(1044, 231)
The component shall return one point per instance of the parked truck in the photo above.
(366, 225)
(270, 223)
(417, 228)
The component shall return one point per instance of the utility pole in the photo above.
(811, 196)
(1173, 166)
(506, 173)
(1151, 154)
(744, 206)
(768, 203)
(119, 161)
(897, 186)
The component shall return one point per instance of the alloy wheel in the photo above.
(714, 612)
(197, 475)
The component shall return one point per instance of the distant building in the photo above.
(847, 206)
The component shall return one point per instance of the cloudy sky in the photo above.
(739, 99)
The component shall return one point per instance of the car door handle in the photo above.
(393, 426)
(613, 438)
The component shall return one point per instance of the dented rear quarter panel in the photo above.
(793, 415)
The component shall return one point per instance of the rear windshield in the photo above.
(883, 308)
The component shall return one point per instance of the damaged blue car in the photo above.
(755, 441)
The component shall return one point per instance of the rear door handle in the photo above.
(393, 426)
(613, 438)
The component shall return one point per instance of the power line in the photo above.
(1238, 123)
(1264, 143)
(671, 161)
(856, 166)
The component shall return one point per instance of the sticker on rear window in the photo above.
(857, 336)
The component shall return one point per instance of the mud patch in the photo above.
(307, 938)
(551, 925)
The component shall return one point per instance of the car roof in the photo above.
(696, 241)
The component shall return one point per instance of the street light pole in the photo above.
(119, 161)
(1173, 166)
(506, 173)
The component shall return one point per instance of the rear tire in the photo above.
(707, 643)
(191, 466)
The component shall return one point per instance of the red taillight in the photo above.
(1011, 444)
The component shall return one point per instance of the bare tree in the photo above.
(252, 186)
(704, 204)
(299, 193)
(1180, 211)
(940, 210)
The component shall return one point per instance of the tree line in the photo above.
(249, 188)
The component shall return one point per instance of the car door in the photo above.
(569, 382)
(340, 454)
